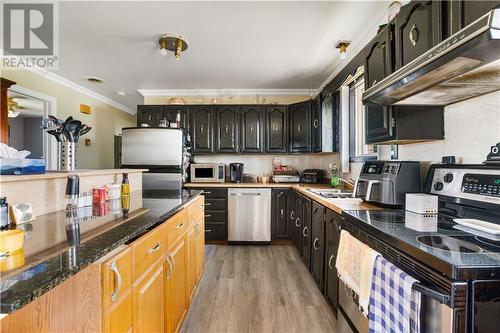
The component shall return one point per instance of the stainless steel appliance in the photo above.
(462, 66)
(208, 173)
(158, 149)
(249, 215)
(286, 177)
(387, 182)
(312, 176)
(236, 172)
(458, 268)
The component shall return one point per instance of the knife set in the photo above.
(67, 134)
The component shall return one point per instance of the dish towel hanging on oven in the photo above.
(394, 305)
(354, 265)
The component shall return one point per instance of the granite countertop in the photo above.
(56, 248)
(51, 174)
(402, 231)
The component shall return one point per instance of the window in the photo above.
(358, 149)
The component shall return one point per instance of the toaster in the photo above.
(312, 176)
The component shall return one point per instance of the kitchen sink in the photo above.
(331, 193)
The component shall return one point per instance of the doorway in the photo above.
(27, 108)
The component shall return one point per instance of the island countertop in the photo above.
(56, 248)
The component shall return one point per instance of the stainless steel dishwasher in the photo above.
(249, 215)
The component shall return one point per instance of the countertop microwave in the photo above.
(207, 173)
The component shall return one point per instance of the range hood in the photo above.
(465, 65)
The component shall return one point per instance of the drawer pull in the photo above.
(154, 248)
(116, 272)
(206, 192)
(297, 222)
(304, 231)
(208, 204)
(292, 213)
(179, 226)
(208, 215)
(330, 262)
(208, 230)
(315, 244)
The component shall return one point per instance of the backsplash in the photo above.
(260, 165)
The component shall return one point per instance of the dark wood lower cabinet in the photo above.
(305, 249)
(281, 229)
(298, 221)
(318, 244)
(215, 214)
(332, 238)
(291, 214)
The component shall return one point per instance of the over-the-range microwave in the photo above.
(207, 173)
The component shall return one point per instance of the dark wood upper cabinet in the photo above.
(461, 13)
(276, 129)
(169, 112)
(417, 28)
(252, 129)
(202, 122)
(280, 228)
(149, 115)
(227, 125)
(316, 124)
(299, 119)
(379, 56)
(379, 123)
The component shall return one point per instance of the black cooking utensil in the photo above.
(84, 130)
(56, 134)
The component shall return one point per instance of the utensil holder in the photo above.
(66, 156)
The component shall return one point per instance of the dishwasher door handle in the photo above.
(245, 194)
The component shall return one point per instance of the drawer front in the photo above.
(215, 231)
(215, 204)
(196, 209)
(116, 276)
(148, 249)
(216, 216)
(210, 193)
(177, 225)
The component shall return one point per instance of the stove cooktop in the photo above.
(435, 235)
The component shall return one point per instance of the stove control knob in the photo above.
(438, 186)
(448, 177)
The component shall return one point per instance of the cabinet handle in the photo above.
(227, 129)
(116, 272)
(316, 123)
(282, 213)
(202, 206)
(208, 204)
(297, 222)
(315, 245)
(276, 128)
(299, 128)
(170, 268)
(208, 230)
(208, 215)
(316, 211)
(339, 228)
(330, 262)
(179, 226)
(413, 35)
(292, 213)
(251, 128)
(304, 232)
(202, 129)
(154, 248)
(206, 192)
(280, 194)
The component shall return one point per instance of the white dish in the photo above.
(488, 227)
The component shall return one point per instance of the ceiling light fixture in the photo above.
(121, 93)
(176, 44)
(342, 46)
(13, 108)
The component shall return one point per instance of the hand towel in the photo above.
(394, 305)
(354, 265)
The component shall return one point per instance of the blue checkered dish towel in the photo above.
(394, 305)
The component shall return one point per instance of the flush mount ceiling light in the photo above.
(173, 43)
(342, 46)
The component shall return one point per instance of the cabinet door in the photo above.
(306, 231)
(148, 301)
(202, 122)
(300, 127)
(318, 244)
(191, 266)
(279, 218)
(176, 291)
(291, 214)
(418, 27)
(199, 247)
(379, 123)
(276, 129)
(298, 221)
(227, 128)
(170, 112)
(472, 10)
(332, 244)
(118, 318)
(316, 124)
(148, 114)
(378, 57)
(252, 129)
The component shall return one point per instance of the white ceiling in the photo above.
(232, 45)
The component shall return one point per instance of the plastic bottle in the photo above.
(125, 185)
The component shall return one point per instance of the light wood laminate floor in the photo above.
(257, 289)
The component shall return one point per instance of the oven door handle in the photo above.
(371, 183)
(432, 293)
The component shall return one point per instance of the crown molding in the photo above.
(226, 92)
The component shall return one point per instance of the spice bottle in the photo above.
(4, 212)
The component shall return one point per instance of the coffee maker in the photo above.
(236, 172)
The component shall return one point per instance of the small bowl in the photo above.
(263, 179)
(11, 240)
